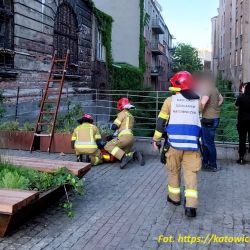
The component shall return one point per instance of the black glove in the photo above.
(101, 144)
(109, 137)
(73, 144)
(163, 154)
(114, 127)
(158, 144)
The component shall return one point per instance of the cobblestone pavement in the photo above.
(127, 209)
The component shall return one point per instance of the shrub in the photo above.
(127, 77)
(9, 126)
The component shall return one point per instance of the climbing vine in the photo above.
(105, 25)
(124, 76)
(142, 39)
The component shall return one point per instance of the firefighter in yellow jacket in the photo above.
(179, 119)
(121, 146)
(85, 140)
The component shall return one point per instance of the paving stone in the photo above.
(127, 209)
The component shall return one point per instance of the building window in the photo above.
(6, 34)
(241, 25)
(100, 49)
(241, 56)
(237, 28)
(236, 58)
(65, 35)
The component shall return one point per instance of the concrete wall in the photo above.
(224, 151)
(126, 28)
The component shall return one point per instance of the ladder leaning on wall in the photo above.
(50, 103)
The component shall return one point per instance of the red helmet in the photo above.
(124, 103)
(182, 80)
(87, 116)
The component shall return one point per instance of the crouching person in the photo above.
(85, 140)
(181, 114)
(121, 146)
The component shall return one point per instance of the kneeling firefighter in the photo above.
(86, 139)
(181, 114)
(121, 146)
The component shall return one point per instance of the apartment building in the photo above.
(31, 30)
(230, 41)
(126, 37)
(158, 47)
(215, 45)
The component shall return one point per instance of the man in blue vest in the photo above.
(181, 114)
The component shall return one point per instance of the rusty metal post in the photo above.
(17, 101)
(67, 91)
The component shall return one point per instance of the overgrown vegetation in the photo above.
(105, 25)
(142, 41)
(15, 126)
(127, 77)
(68, 122)
(227, 131)
(12, 177)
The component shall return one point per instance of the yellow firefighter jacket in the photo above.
(125, 123)
(85, 136)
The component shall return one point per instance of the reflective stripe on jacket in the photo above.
(85, 136)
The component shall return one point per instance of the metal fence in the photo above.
(22, 105)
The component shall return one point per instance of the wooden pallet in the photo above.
(49, 166)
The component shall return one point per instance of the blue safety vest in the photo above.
(184, 125)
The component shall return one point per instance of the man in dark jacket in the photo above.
(243, 126)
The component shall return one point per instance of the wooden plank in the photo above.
(49, 166)
(13, 200)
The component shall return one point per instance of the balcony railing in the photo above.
(156, 70)
(157, 26)
(158, 48)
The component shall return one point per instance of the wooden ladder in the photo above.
(51, 101)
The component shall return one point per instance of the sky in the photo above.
(189, 21)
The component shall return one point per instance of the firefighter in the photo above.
(179, 119)
(86, 139)
(121, 146)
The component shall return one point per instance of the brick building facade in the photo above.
(230, 41)
(31, 30)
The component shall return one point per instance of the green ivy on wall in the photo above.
(105, 25)
(124, 76)
(127, 77)
(142, 39)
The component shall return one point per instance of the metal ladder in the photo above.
(50, 101)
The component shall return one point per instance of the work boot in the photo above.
(125, 160)
(79, 158)
(176, 203)
(204, 166)
(241, 160)
(139, 157)
(190, 212)
(210, 168)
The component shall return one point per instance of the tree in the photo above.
(186, 58)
